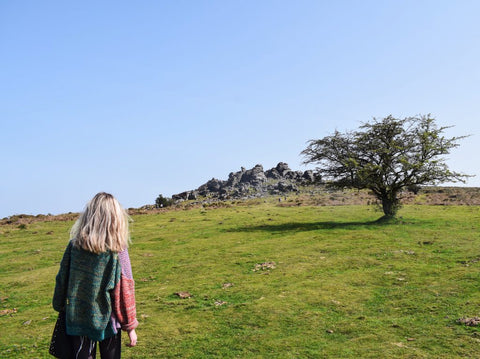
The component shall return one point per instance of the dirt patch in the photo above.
(469, 322)
(264, 266)
(183, 295)
(8, 312)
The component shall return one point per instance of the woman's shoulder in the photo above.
(84, 254)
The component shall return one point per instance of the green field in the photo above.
(271, 282)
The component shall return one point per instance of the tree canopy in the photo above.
(386, 156)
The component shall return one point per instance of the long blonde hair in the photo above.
(102, 226)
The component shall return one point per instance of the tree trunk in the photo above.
(390, 205)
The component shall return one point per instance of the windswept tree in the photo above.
(385, 156)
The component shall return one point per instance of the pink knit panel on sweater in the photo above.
(124, 295)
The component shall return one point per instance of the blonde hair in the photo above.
(102, 226)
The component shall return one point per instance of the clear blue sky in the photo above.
(148, 97)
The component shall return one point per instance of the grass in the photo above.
(340, 285)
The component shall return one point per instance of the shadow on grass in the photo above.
(313, 226)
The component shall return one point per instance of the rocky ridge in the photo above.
(252, 183)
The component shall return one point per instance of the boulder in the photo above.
(251, 183)
(273, 174)
(254, 176)
(284, 186)
(308, 176)
(282, 168)
(214, 185)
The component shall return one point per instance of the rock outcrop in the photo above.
(250, 183)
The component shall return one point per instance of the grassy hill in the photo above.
(270, 279)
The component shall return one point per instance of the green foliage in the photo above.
(385, 156)
(161, 201)
(342, 285)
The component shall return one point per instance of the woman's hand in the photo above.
(133, 338)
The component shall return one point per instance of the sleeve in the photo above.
(61, 281)
(124, 295)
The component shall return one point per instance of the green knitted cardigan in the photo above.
(82, 290)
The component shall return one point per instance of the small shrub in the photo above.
(161, 201)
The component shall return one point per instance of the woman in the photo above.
(94, 286)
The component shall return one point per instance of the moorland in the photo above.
(310, 275)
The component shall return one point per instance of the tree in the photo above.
(161, 201)
(385, 156)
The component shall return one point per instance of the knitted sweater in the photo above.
(123, 295)
(88, 287)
